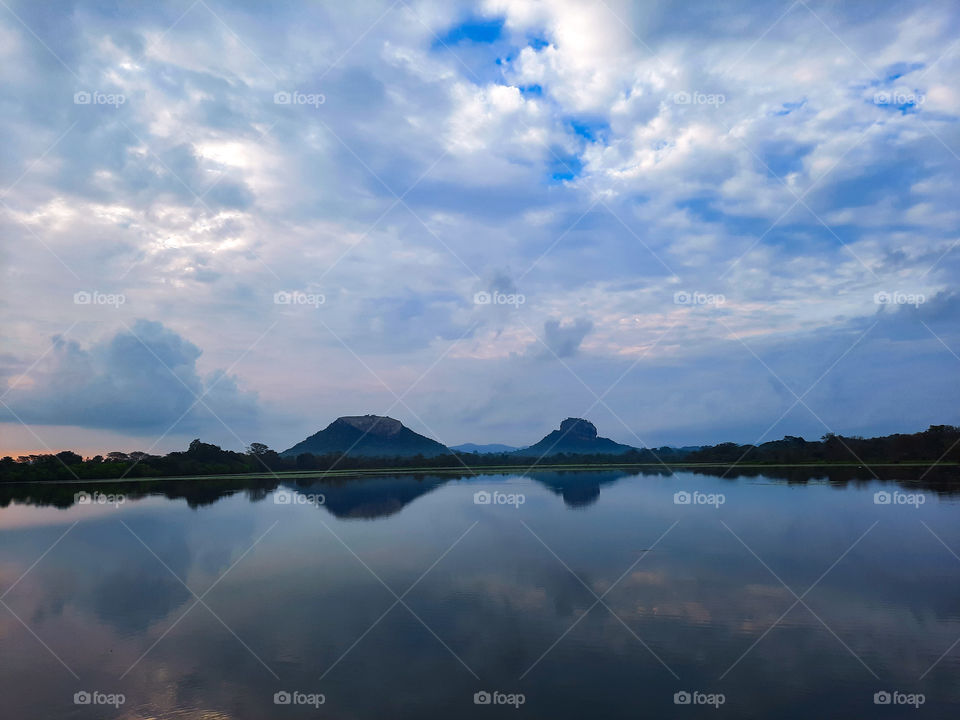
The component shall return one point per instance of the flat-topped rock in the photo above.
(575, 436)
(367, 436)
(578, 428)
(374, 424)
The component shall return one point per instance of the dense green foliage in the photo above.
(939, 443)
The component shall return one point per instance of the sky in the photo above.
(688, 223)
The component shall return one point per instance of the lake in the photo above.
(608, 594)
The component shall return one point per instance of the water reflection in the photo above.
(373, 497)
(296, 593)
(370, 497)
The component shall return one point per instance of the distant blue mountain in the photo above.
(367, 436)
(575, 437)
(483, 449)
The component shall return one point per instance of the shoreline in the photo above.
(476, 470)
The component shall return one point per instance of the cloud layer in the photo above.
(703, 211)
(142, 380)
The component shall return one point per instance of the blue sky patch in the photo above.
(475, 30)
(563, 167)
(898, 70)
(789, 107)
(783, 158)
(590, 129)
(537, 42)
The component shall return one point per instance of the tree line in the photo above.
(938, 444)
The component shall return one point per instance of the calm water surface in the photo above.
(598, 596)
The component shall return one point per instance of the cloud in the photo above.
(143, 380)
(596, 158)
(562, 338)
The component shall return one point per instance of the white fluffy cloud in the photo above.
(597, 158)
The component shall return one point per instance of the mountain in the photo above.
(483, 449)
(373, 497)
(579, 489)
(368, 436)
(575, 437)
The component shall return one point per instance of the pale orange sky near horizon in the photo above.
(17, 440)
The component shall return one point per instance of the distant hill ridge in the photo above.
(576, 436)
(368, 436)
(380, 436)
(487, 449)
